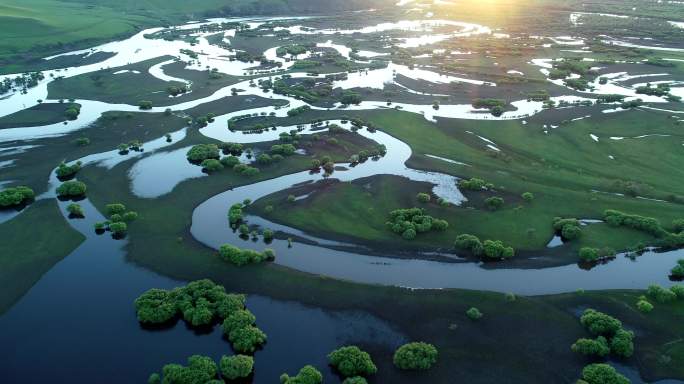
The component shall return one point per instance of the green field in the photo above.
(561, 168)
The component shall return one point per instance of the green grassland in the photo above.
(30, 245)
(37, 115)
(561, 168)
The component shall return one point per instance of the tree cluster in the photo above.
(351, 361)
(14, 196)
(491, 249)
(71, 188)
(569, 229)
(409, 222)
(415, 356)
(610, 336)
(241, 257)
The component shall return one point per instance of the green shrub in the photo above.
(495, 249)
(75, 210)
(661, 294)
(474, 314)
(592, 347)
(602, 374)
(306, 375)
(241, 257)
(211, 165)
(469, 242)
(474, 184)
(236, 367)
(64, 171)
(351, 361)
(644, 306)
(678, 270)
(622, 343)
(415, 356)
(527, 196)
(115, 208)
(599, 323)
(423, 197)
(678, 290)
(494, 203)
(71, 188)
(201, 152)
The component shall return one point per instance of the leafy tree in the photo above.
(678, 290)
(678, 270)
(241, 257)
(268, 235)
(592, 347)
(75, 210)
(352, 361)
(230, 161)
(474, 313)
(201, 152)
(199, 369)
(145, 104)
(118, 229)
(494, 203)
(64, 171)
(423, 197)
(495, 249)
(237, 366)
(469, 242)
(155, 306)
(599, 323)
(409, 234)
(622, 343)
(644, 306)
(71, 188)
(247, 339)
(211, 165)
(602, 374)
(474, 184)
(238, 319)
(130, 216)
(661, 294)
(15, 196)
(115, 208)
(588, 254)
(415, 356)
(306, 375)
(571, 232)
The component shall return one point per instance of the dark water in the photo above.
(78, 325)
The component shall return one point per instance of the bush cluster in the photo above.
(351, 361)
(409, 222)
(415, 356)
(492, 249)
(569, 229)
(201, 152)
(64, 171)
(15, 196)
(241, 257)
(71, 188)
(306, 375)
(199, 303)
(610, 336)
